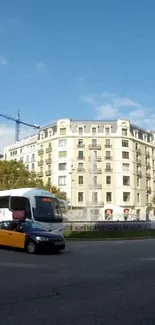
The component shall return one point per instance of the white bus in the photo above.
(34, 204)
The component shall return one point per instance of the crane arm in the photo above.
(17, 120)
(9, 117)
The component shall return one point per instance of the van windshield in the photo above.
(47, 209)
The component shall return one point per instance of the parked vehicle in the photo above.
(30, 236)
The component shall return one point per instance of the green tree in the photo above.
(14, 174)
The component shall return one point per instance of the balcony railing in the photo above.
(138, 161)
(81, 170)
(95, 171)
(40, 174)
(147, 154)
(148, 175)
(108, 146)
(108, 170)
(95, 203)
(48, 172)
(139, 173)
(80, 158)
(138, 151)
(40, 163)
(48, 161)
(148, 189)
(94, 146)
(49, 149)
(40, 151)
(108, 157)
(98, 159)
(95, 186)
(81, 145)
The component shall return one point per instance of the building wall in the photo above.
(114, 159)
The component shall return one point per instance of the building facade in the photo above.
(107, 169)
(25, 150)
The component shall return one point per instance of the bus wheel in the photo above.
(31, 247)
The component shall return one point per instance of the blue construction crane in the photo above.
(18, 122)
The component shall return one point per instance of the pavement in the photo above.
(101, 283)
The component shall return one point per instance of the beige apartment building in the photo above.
(106, 168)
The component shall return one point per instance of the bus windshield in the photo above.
(47, 209)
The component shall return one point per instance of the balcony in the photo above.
(138, 151)
(48, 173)
(108, 146)
(94, 146)
(40, 174)
(108, 157)
(81, 145)
(148, 164)
(108, 170)
(48, 161)
(95, 171)
(81, 170)
(95, 203)
(148, 175)
(98, 159)
(40, 151)
(49, 149)
(80, 158)
(95, 186)
(148, 189)
(147, 154)
(40, 162)
(139, 173)
(138, 161)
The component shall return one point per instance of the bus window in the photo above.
(47, 209)
(21, 204)
(4, 202)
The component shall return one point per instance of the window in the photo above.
(108, 180)
(80, 180)
(125, 155)
(124, 132)
(80, 130)
(152, 152)
(125, 143)
(108, 167)
(62, 143)
(21, 204)
(107, 143)
(107, 130)
(20, 150)
(138, 181)
(62, 131)
(62, 154)
(126, 196)
(80, 142)
(137, 197)
(126, 180)
(108, 154)
(27, 167)
(62, 180)
(125, 167)
(33, 168)
(6, 225)
(153, 162)
(4, 202)
(108, 197)
(80, 154)
(93, 131)
(62, 166)
(94, 180)
(80, 196)
(80, 165)
(94, 142)
(94, 197)
(49, 181)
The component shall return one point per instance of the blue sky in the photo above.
(76, 59)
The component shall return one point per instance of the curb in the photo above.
(108, 239)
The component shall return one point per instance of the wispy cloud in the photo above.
(111, 106)
(3, 60)
(41, 67)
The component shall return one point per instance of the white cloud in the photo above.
(7, 135)
(3, 60)
(109, 106)
(41, 67)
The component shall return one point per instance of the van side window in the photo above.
(21, 204)
(4, 202)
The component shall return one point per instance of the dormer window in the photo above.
(107, 130)
(50, 132)
(136, 134)
(145, 138)
(42, 135)
(124, 131)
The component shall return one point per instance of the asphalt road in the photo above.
(101, 283)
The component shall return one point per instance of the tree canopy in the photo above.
(14, 174)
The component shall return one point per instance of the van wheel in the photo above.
(31, 247)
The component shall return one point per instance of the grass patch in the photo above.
(96, 235)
